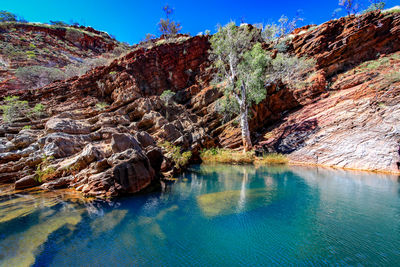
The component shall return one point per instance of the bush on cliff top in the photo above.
(167, 26)
(6, 16)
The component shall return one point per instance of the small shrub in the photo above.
(166, 96)
(79, 69)
(30, 54)
(282, 47)
(101, 106)
(37, 111)
(13, 108)
(43, 171)
(373, 65)
(168, 26)
(6, 16)
(38, 76)
(180, 159)
(118, 51)
(291, 70)
(26, 127)
(375, 5)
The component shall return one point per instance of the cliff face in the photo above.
(29, 44)
(346, 117)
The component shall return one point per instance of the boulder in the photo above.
(26, 182)
(156, 157)
(66, 125)
(124, 141)
(131, 171)
(145, 139)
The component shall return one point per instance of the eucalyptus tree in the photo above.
(246, 69)
(240, 61)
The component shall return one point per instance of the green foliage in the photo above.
(240, 60)
(166, 96)
(43, 171)
(38, 76)
(282, 46)
(180, 159)
(26, 127)
(286, 26)
(375, 64)
(167, 26)
(118, 51)
(101, 106)
(13, 108)
(38, 110)
(274, 31)
(6, 16)
(30, 54)
(376, 5)
(291, 70)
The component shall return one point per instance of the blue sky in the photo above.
(130, 20)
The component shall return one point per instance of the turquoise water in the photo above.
(215, 215)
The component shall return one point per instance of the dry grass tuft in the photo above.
(273, 158)
(227, 156)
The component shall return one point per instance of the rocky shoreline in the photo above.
(346, 117)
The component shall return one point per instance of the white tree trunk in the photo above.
(244, 124)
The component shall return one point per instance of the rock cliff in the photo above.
(345, 117)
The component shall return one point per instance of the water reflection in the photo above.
(214, 215)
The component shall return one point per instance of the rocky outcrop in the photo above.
(341, 118)
(354, 126)
(113, 150)
(34, 44)
(342, 44)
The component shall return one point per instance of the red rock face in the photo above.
(341, 44)
(346, 119)
(25, 44)
(141, 73)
